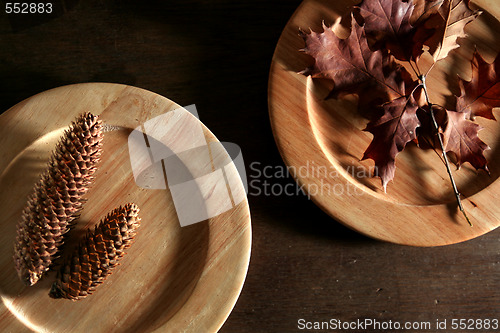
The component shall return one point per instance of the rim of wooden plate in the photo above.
(290, 99)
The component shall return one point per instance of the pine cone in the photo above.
(57, 198)
(93, 260)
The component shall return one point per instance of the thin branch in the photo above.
(445, 158)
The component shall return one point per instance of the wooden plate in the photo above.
(322, 143)
(173, 279)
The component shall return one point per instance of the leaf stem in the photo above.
(416, 71)
(430, 69)
(445, 157)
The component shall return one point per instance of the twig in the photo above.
(445, 158)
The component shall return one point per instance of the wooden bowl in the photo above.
(322, 142)
(173, 279)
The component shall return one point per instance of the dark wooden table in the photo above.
(217, 54)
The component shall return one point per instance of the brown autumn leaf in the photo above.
(388, 22)
(424, 9)
(399, 30)
(449, 25)
(391, 132)
(482, 93)
(461, 138)
(354, 66)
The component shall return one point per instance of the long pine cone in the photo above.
(97, 254)
(57, 198)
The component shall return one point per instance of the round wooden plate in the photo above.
(173, 279)
(322, 142)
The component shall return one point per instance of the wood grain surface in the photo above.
(172, 279)
(323, 141)
(217, 54)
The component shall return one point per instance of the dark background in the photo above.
(217, 54)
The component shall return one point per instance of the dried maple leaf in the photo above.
(424, 9)
(349, 62)
(400, 29)
(353, 67)
(391, 133)
(454, 15)
(388, 22)
(482, 93)
(461, 138)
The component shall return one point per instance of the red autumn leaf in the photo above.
(424, 9)
(482, 93)
(398, 29)
(388, 22)
(391, 133)
(349, 63)
(461, 138)
(454, 15)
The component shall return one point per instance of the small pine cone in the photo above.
(99, 251)
(57, 198)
